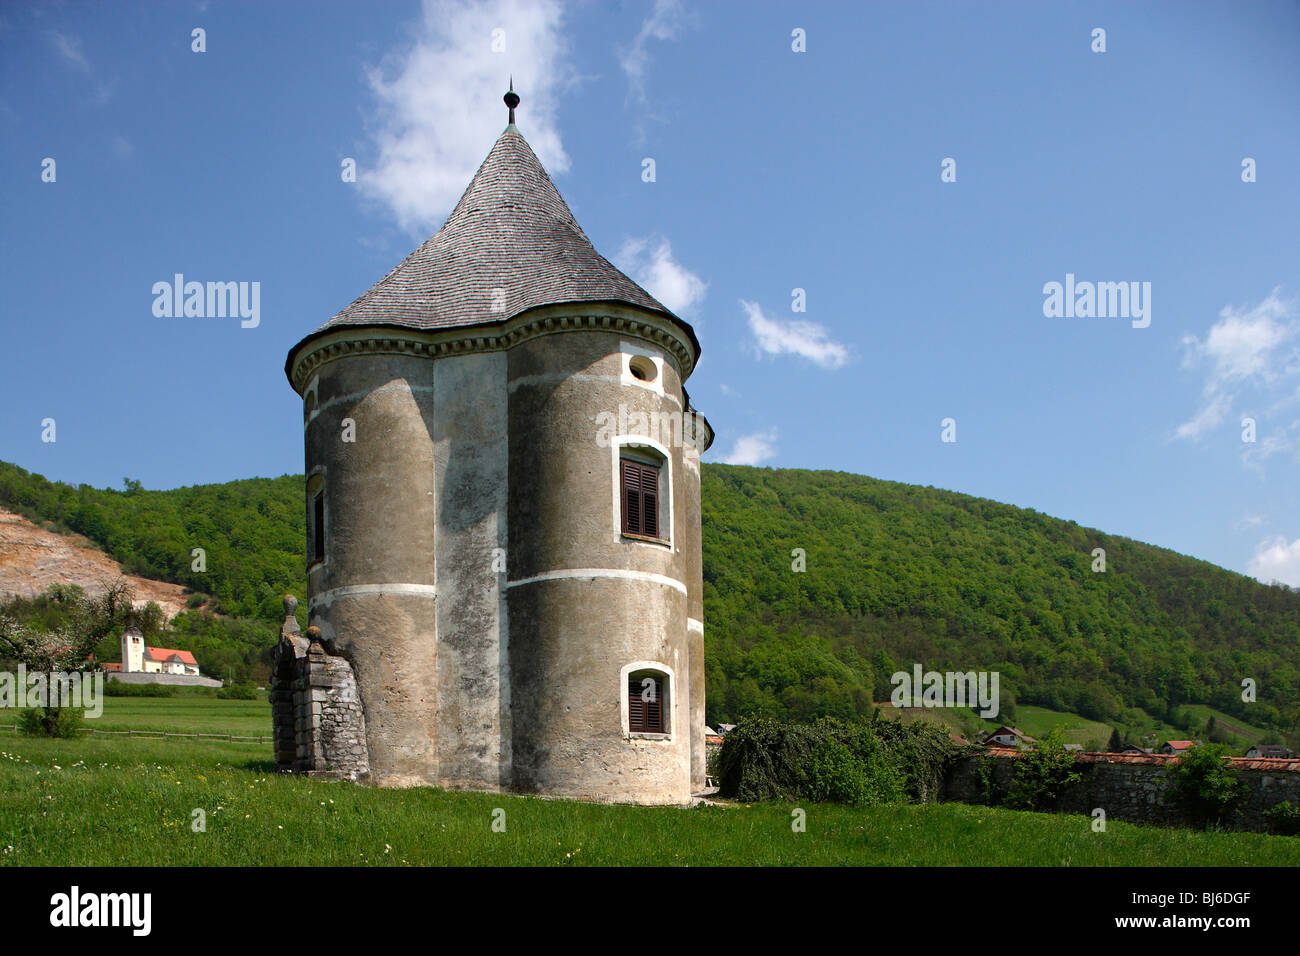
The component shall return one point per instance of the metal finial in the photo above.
(512, 99)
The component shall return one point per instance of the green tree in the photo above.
(62, 649)
(1042, 776)
(1208, 790)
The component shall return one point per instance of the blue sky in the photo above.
(775, 170)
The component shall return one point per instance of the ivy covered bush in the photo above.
(832, 761)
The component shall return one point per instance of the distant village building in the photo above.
(503, 517)
(1269, 752)
(1177, 746)
(138, 658)
(1006, 736)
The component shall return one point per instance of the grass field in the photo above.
(104, 802)
(1238, 728)
(1039, 721)
(184, 714)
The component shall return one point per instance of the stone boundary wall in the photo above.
(317, 719)
(138, 677)
(1136, 788)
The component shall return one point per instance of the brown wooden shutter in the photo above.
(640, 494)
(631, 484)
(636, 709)
(645, 716)
(650, 500)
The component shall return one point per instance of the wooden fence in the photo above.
(159, 734)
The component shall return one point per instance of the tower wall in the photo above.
(373, 595)
(692, 543)
(584, 602)
(470, 477)
(475, 575)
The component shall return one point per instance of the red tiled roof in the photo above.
(1182, 744)
(167, 654)
(1236, 763)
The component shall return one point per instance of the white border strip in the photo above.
(351, 590)
(601, 573)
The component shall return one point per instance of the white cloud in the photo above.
(652, 265)
(1208, 418)
(664, 23)
(1248, 521)
(752, 449)
(1246, 348)
(73, 55)
(1287, 439)
(807, 339)
(1276, 560)
(122, 147)
(69, 47)
(440, 105)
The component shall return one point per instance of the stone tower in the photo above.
(503, 510)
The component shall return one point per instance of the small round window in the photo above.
(642, 368)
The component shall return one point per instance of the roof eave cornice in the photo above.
(333, 342)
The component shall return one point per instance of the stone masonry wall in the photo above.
(316, 713)
(1137, 789)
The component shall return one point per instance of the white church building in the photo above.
(137, 658)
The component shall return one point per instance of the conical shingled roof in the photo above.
(511, 231)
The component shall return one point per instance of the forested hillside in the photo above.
(899, 573)
(895, 574)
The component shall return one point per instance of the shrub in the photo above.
(762, 758)
(829, 761)
(1040, 777)
(835, 775)
(921, 751)
(1209, 792)
(116, 688)
(49, 721)
(1284, 818)
(984, 771)
(238, 692)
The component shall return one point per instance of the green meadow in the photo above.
(101, 801)
(184, 715)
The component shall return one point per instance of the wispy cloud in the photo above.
(752, 449)
(1281, 440)
(69, 47)
(650, 262)
(71, 51)
(1246, 349)
(806, 339)
(440, 107)
(665, 22)
(1276, 560)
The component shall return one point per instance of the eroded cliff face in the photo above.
(32, 559)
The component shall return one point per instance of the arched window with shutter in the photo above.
(647, 700)
(643, 492)
(639, 485)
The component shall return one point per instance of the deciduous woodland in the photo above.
(895, 574)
